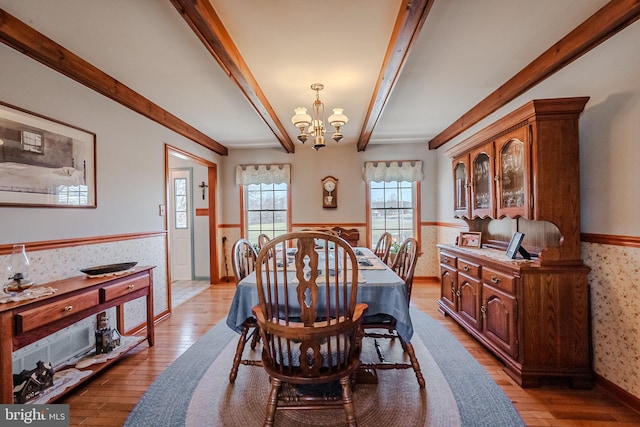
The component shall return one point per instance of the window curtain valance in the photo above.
(406, 170)
(263, 174)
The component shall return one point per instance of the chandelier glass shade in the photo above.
(314, 125)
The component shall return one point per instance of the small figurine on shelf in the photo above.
(104, 335)
(27, 385)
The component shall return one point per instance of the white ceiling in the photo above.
(465, 50)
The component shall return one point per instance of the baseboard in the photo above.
(623, 396)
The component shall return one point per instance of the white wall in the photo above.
(129, 150)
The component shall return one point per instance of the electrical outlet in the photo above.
(161, 210)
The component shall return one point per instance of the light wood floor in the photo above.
(110, 396)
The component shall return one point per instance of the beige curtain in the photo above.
(263, 174)
(406, 170)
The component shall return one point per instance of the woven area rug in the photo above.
(195, 391)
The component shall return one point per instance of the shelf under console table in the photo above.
(25, 322)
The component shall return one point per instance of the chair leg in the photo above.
(414, 362)
(272, 403)
(238, 356)
(347, 401)
(256, 338)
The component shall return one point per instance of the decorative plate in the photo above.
(109, 268)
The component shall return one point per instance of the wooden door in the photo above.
(469, 300)
(449, 287)
(482, 186)
(513, 174)
(499, 319)
(461, 187)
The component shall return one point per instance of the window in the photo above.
(76, 195)
(265, 210)
(392, 209)
(393, 189)
(264, 195)
(32, 141)
(181, 203)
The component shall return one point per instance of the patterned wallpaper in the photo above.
(615, 313)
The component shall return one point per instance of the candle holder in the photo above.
(18, 271)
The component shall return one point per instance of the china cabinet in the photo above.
(522, 175)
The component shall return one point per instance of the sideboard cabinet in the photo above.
(534, 318)
(25, 322)
(521, 174)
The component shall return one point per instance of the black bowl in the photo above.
(109, 268)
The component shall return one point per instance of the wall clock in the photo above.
(329, 192)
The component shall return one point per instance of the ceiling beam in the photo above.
(411, 16)
(25, 39)
(612, 18)
(204, 21)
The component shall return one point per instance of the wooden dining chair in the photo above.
(383, 247)
(243, 257)
(309, 321)
(404, 266)
(263, 239)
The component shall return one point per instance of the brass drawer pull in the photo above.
(131, 286)
(495, 279)
(68, 308)
(445, 259)
(466, 268)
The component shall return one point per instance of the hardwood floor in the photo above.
(110, 396)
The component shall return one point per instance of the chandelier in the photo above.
(315, 125)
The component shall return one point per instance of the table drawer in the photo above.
(499, 280)
(116, 290)
(448, 259)
(468, 268)
(36, 317)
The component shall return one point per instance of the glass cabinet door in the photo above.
(512, 183)
(482, 181)
(461, 187)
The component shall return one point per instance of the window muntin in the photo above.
(393, 209)
(32, 141)
(266, 210)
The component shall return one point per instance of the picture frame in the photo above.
(45, 162)
(470, 239)
(515, 247)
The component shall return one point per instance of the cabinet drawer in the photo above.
(468, 268)
(499, 280)
(116, 290)
(448, 259)
(36, 317)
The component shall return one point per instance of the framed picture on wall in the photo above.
(44, 162)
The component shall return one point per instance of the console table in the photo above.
(25, 322)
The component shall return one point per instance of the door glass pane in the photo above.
(512, 174)
(180, 202)
(460, 187)
(482, 178)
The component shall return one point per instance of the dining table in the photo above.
(379, 287)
